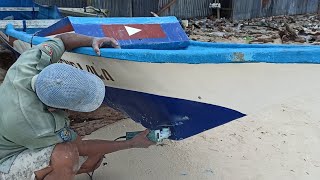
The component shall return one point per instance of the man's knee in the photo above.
(66, 156)
(64, 163)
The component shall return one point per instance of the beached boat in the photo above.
(26, 16)
(27, 10)
(162, 79)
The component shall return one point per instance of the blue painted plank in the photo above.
(151, 33)
(136, 20)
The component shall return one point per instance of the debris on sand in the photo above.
(298, 29)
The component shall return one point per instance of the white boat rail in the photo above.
(31, 9)
(24, 24)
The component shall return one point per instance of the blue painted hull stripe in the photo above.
(201, 53)
(186, 118)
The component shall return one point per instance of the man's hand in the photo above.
(104, 42)
(73, 40)
(141, 140)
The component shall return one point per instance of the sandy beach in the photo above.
(279, 142)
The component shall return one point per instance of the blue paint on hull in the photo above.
(186, 118)
(216, 53)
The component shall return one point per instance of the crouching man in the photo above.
(36, 141)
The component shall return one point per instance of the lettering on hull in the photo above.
(104, 75)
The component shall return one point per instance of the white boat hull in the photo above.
(242, 87)
(186, 96)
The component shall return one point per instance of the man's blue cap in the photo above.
(65, 87)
